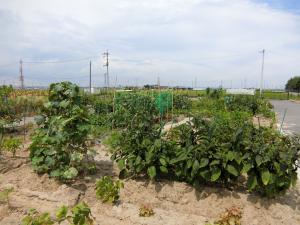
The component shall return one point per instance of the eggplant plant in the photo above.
(213, 151)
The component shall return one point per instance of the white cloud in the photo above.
(176, 40)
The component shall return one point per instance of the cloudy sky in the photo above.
(190, 42)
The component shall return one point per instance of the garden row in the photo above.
(218, 146)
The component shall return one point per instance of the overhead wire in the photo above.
(62, 61)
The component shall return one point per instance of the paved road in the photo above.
(291, 124)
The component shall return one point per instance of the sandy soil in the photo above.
(174, 203)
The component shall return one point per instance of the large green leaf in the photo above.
(71, 173)
(215, 174)
(205, 173)
(230, 155)
(252, 182)
(163, 161)
(180, 158)
(203, 162)
(163, 169)
(265, 176)
(214, 162)
(151, 172)
(232, 170)
(246, 167)
(258, 160)
(195, 168)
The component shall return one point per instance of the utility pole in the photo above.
(90, 76)
(106, 64)
(262, 72)
(21, 74)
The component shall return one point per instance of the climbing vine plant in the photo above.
(59, 144)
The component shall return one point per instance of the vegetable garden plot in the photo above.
(211, 151)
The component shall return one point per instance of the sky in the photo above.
(196, 43)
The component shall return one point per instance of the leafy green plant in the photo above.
(273, 162)
(214, 93)
(108, 190)
(215, 150)
(12, 145)
(253, 104)
(80, 215)
(59, 144)
(146, 211)
(181, 102)
(35, 218)
(127, 107)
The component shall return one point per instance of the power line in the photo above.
(61, 61)
(9, 64)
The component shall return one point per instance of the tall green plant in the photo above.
(212, 151)
(59, 144)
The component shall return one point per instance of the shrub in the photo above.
(59, 144)
(107, 190)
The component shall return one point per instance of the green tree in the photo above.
(293, 84)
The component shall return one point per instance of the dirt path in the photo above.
(174, 203)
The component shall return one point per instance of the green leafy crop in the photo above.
(80, 215)
(59, 144)
(108, 190)
(35, 218)
(216, 150)
(11, 145)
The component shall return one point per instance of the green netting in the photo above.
(163, 102)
